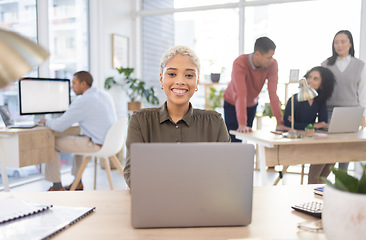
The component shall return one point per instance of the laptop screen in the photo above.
(6, 116)
(345, 119)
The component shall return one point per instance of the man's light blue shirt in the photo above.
(93, 110)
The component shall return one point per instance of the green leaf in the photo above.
(343, 181)
(136, 89)
(109, 82)
(362, 182)
(326, 181)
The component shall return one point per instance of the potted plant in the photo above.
(309, 130)
(344, 212)
(215, 98)
(215, 77)
(136, 89)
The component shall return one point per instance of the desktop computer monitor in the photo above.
(43, 95)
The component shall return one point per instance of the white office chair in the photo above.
(113, 143)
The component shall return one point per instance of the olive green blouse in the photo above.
(155, 125)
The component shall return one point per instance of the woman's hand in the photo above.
(321, 125)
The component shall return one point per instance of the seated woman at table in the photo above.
(322, 80)
(176, 120)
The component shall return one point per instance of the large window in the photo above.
(68, 44)
(21, 17)
(219, 31)
(203, 31)
(214, 42)
(68, 37)
(303, 33)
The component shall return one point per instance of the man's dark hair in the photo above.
(264, 44)
(84, 76)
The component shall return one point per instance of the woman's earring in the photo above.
(162, 87)
(196, 89)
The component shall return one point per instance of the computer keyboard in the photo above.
(311, 208)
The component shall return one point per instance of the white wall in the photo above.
(109, 17)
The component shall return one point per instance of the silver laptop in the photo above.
(9, 122)
(191, 184)
(345, 119)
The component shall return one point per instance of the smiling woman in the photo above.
(176, 120)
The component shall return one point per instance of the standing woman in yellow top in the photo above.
(176, 120)
(350, 76)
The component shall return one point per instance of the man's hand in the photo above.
(43, 122)
(244, 129)
(280, 126)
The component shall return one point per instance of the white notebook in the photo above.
(39, 225)
(12, 208)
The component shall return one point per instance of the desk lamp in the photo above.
(18, 56)
(305, 93)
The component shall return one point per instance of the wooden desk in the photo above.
(24, 147)
(275, 150)
(273, 217)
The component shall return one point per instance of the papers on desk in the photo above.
(318, 134)
(319, 191)
(40, 225)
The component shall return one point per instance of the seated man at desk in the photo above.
(322, 80)
(94, 111)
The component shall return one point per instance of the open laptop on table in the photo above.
(9, 122)
(191, 184)
(345, 119)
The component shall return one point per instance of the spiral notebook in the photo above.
(42, 224)
(12, 208)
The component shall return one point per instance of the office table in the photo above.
(273, 217)
(24, 147)
(325, 148)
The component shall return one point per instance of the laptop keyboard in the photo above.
(311, 208)
(30, 125)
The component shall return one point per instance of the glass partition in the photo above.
(69, 47)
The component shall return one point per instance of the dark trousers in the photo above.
(231, 120)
